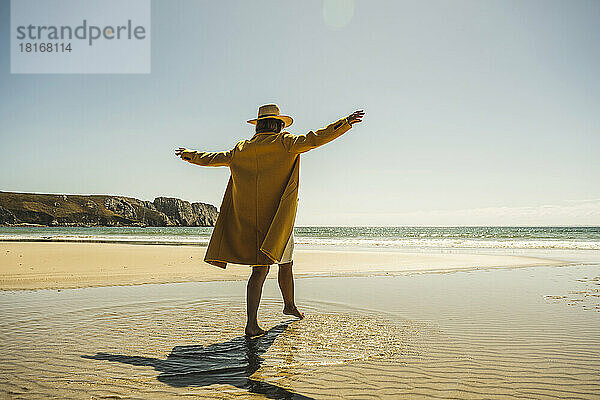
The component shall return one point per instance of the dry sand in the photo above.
(34, 265)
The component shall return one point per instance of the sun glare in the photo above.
(338, 13)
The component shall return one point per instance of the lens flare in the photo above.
(338, 13)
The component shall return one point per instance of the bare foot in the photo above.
(253, 331)
(293, 311)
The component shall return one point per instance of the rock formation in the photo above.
(101, 210)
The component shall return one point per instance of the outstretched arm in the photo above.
(314, 139)
(208, 159)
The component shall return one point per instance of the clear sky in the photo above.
(478, 112)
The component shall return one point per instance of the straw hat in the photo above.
(271, 111)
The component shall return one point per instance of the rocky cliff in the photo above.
(101, 210)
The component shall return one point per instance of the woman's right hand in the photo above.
(179, 151)
(355, 117)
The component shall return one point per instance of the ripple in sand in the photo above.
(330, 339)
(164, 343)
(587, 294)
(158, 349)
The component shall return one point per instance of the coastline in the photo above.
(44, 264)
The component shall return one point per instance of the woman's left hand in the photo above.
(355, 117)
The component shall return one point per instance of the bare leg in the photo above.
(253, 294)
(285, 278)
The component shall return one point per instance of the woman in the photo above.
(257, 214)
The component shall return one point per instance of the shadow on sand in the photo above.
(229, 363)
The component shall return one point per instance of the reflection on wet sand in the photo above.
(479, 334)
(229, 363)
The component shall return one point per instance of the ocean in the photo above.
(567, 238)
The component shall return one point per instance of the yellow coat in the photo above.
(258, 210)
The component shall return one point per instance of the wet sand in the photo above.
(497, 333)
(38, 265)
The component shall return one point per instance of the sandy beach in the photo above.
(147, 321)
(495, 333)
(38, 265)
